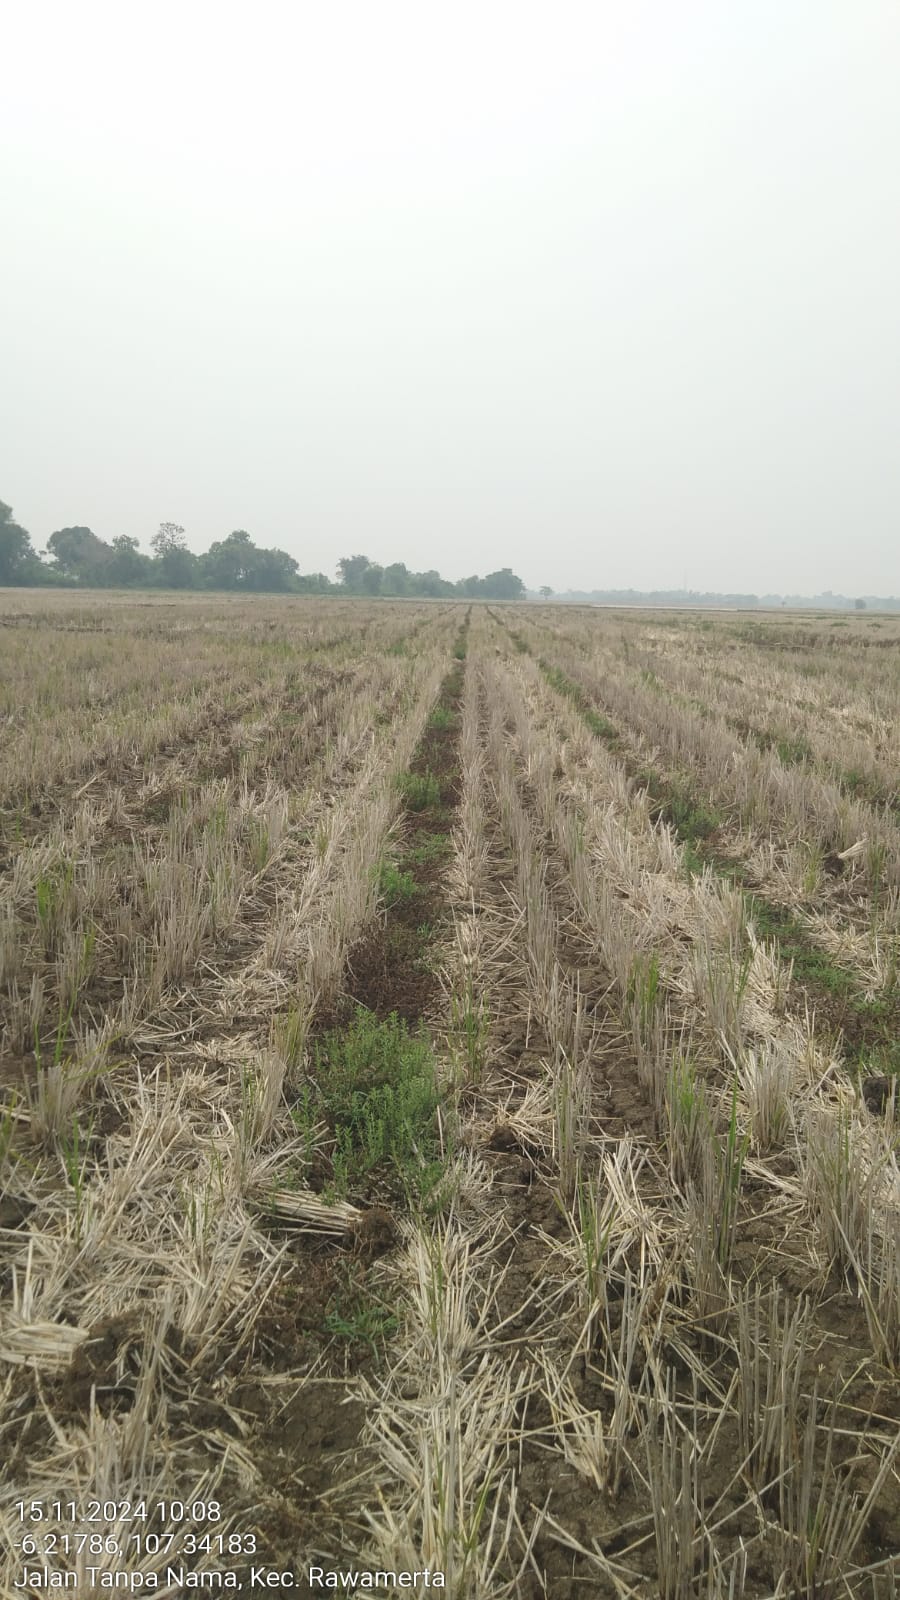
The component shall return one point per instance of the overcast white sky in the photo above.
(609, 294)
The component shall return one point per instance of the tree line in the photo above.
(77, 558)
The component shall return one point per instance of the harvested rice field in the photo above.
(448, 1103)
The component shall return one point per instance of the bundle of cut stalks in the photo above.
(41, 1344)
(308, 1213)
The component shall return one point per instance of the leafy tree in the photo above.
(469, 588)
(430, 584)
(176, 566)
(313, 583)
(350, 571)
(503, 585)
(18, 561)
(859, 605)
(128, 565)
(79, 554)
(271, 571)
(371, 579)
(171, 536)
(545, 590)
(228, 561)
(395, 579)
(359, 575)
(237, 563)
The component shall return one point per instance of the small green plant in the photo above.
(54, 895)
(765, 1074)
(471, 1027)
(198, 1211)
(643, 987)
(74, 1157)
(362, 1324)
(420, 790)
(591, 1222)
(793, 750)
(730, 1159)
(432, 847)
(442, 718)
(876, 863)
(260, 843)
(7, 1131)
(63, 1021)
(217, 825)
(377, 1088)
(810, 964)
(305, 1120)
(691, 861)
(812, 872)
(395, 886)
(356, 1316)
(459, 650)
(592, 719)
(688, 1120)
(721, 977)
(43, 891)
(76, 970)
(289, 1035)
(692, 819)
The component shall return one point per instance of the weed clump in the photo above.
(598, 724)
(420, 790)
(394, 885)
(376, 1085)
(441, 718)
(692, 819)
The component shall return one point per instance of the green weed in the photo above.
(643, 987)
(420, 790)
(63, 1021)
(692, 819)
(471, 1027)
(793, 751)
(432, 847)
(692, 862)
(812, 872)
(688, 1119)
(442, 717)
(356, 1316)
(7, 1132)
(377, 1088)
(305, 1119)
(854, 781)
(289, 1035)
(74, 1157)
(598, 724)
(260, 843)
(810, 964)
(730, 1159)
(394, 886)
(54, 896)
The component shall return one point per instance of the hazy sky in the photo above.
(609, 294)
